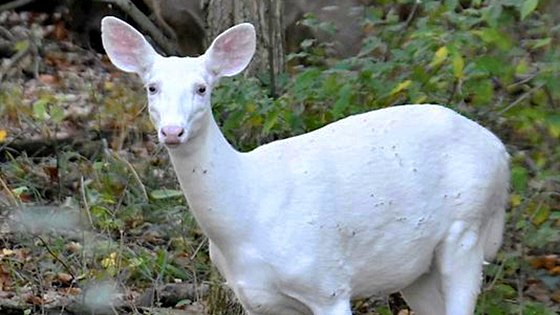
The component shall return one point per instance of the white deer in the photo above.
(408, 198)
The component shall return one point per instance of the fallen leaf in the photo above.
(3, 135)
(52, 172)
(5, 280)
(48, 79)
(64, 278)
(556, 296)
(72, 291)
(74, 247)
(537, 292)
(35, 300)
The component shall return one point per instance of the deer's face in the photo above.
(178, 89)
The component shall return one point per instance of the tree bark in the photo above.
(266, 16)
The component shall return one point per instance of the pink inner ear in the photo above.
(227, 44)
(125, 38)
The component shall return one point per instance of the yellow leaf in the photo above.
(542, 215)
(109, 86)
(440, 56)
(402, 86)
(421, 99)
(515, 200)
(3, 135)
(458, 65)
(522, 67)
(110, 261)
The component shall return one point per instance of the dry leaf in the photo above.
(5, 280)
(35, 300)
(74, 247)
(556, 296)
(64, 278)
(48, 79)
(72, 291)
(538, 293)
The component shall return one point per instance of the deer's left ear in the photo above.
(231, 51)
(127, 49)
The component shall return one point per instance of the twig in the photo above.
(521, 82)
(521, 98)
(198, 248)
(412, 13)
(55, 256)
(17, 57)
(4, 31)
(521, 279)
(146, 24)
(84, 198)
(8, 191)
(134, 173)
(14, 4)
(550, 97)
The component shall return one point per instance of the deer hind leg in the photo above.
(459, 261)
(424, 295)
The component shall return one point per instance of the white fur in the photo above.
(408, 198)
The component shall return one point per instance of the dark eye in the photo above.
(152, 89)
(201, 90)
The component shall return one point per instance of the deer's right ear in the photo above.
(127, 49)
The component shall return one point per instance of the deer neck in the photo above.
(211, 174)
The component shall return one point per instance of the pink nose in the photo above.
(172, 134)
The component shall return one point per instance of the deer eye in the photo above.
(152, 89)
(201, 89)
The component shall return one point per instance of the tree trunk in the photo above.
(266, 16)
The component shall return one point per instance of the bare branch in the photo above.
(14, 4)
(146, 25)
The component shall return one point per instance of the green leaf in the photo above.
(492, 14)
(553, 124)
(40, 109)
(384, 310)
(22, 45)
(57, 114)
(270, 121)
(159, 194)
(20, 190)
(307, 43)
(494, 36)
(185, 302)
(505, 291)
(451, 4)
(528, 7)
(542, 42)
(522, 67)
(519, 177)
(343, 101)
